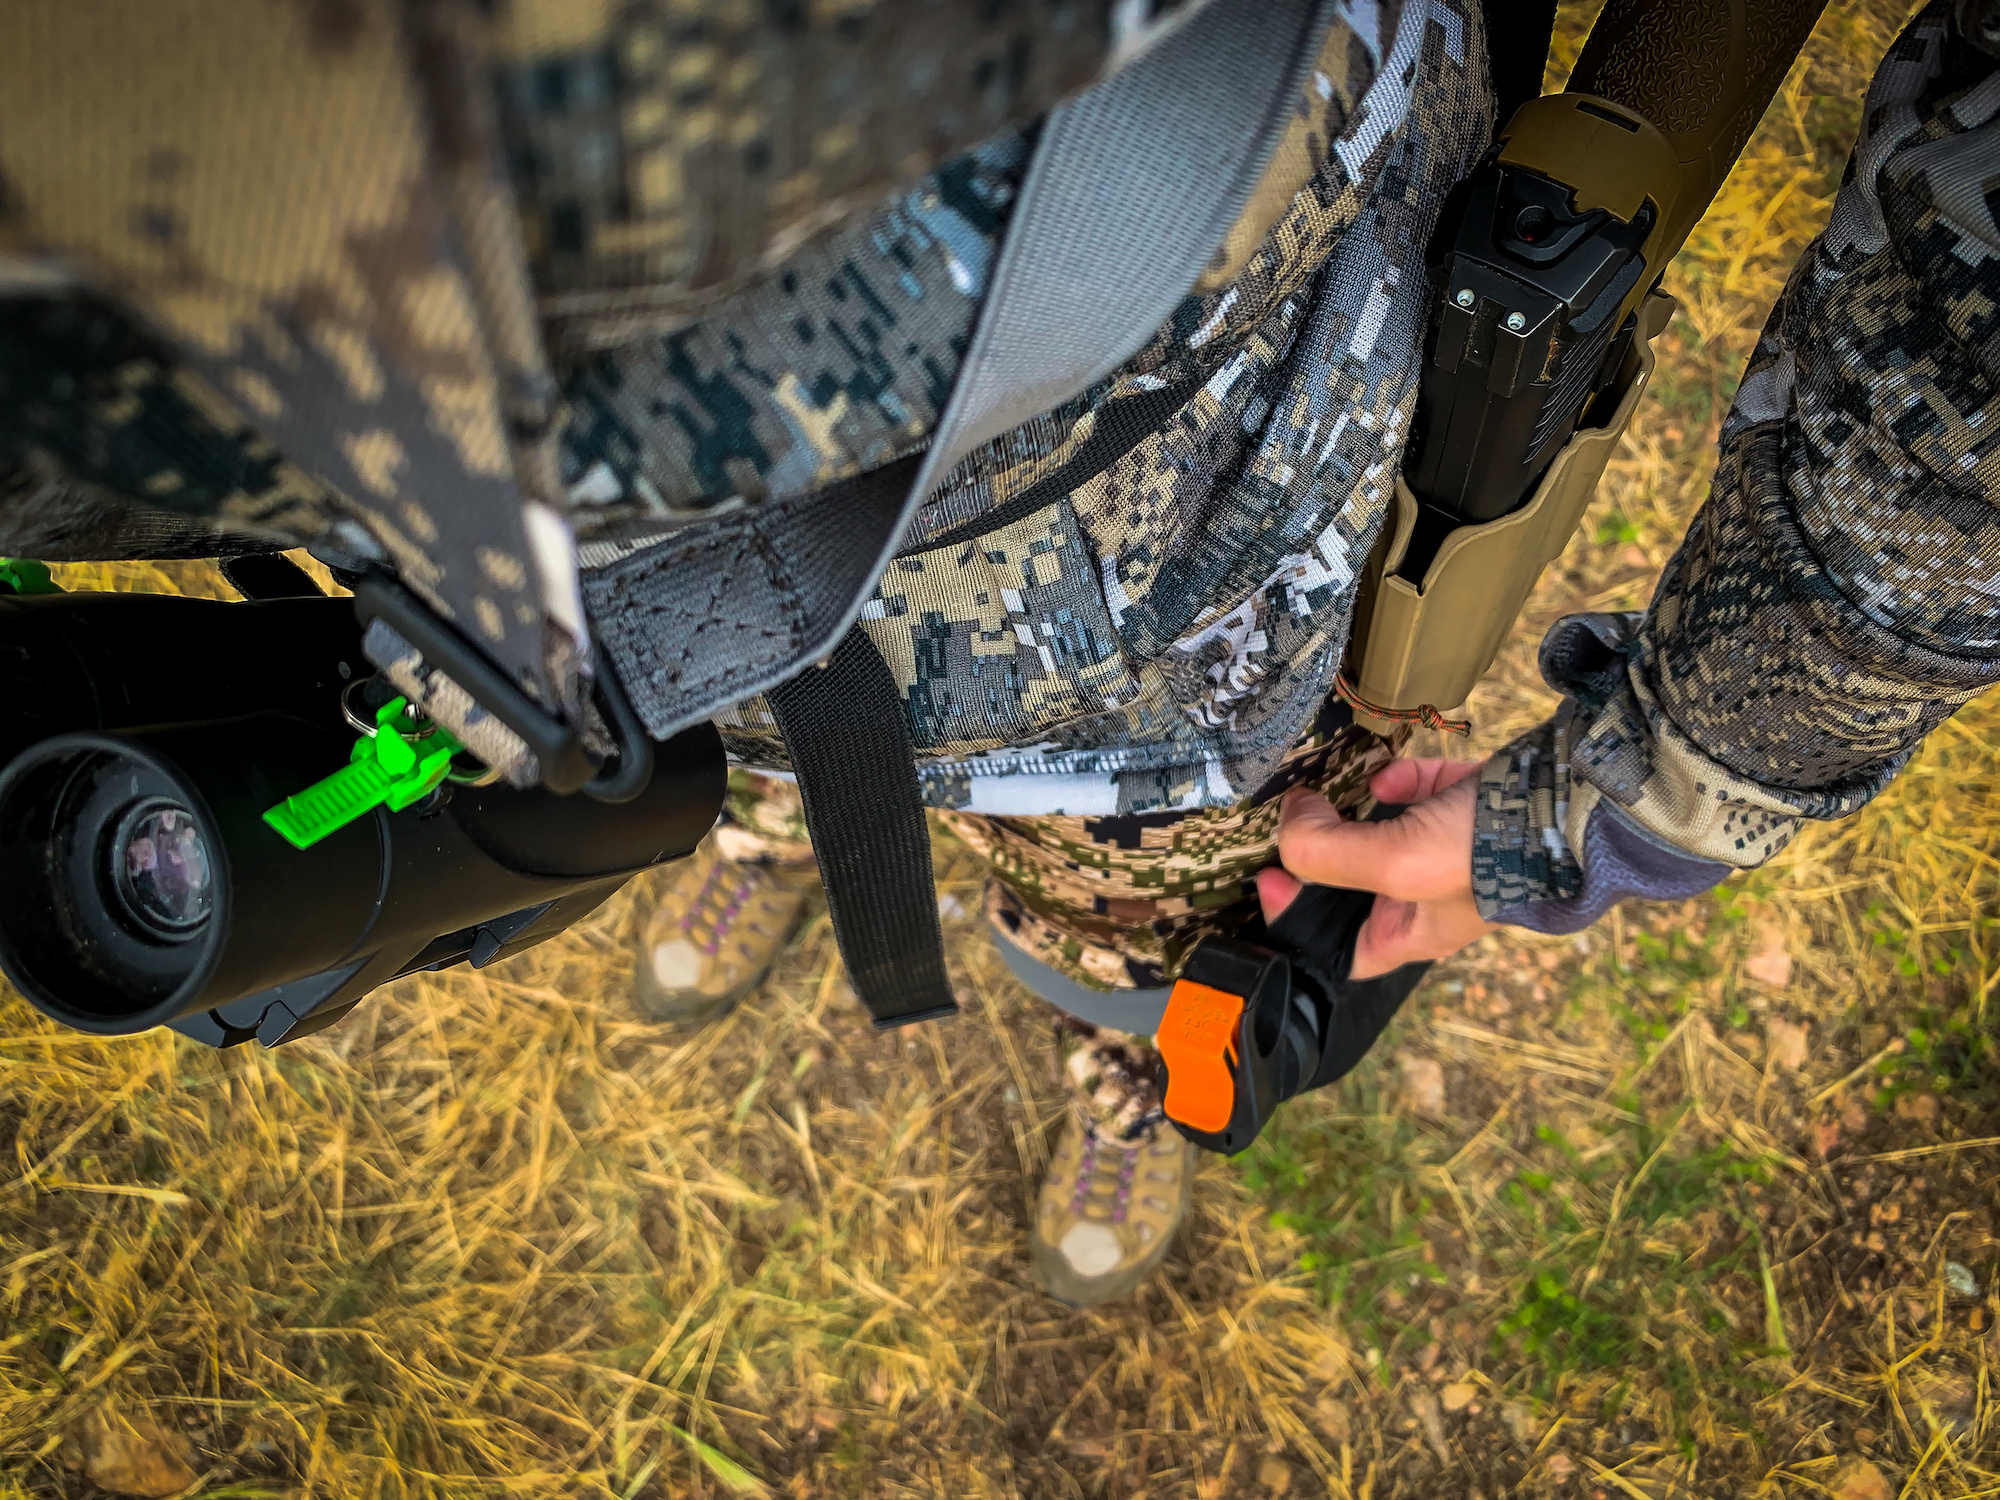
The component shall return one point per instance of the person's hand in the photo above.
(1419, 864)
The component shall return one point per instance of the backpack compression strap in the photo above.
(843, 723)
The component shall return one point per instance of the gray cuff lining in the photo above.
(1620, 860)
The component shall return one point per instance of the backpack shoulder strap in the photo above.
(1132, 188)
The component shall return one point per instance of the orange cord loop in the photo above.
(1423, 713)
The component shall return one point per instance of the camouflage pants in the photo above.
(1111, 902)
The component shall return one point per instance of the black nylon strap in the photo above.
(1318, 932)
(850, 747)
(1518, 33)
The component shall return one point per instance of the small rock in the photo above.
(1424, 1406)
(1861, 1480)
(1334, 1419)
(1948, 1398)
(1787, 1040)
(1771, 963)
(1561, 1467)
(1275, 1475)
(1520, 1423)
(1853, 1116)
(1826, 1135)
(1920, 1107)
(1329, 1364)
(1423, 1083)
(950, 908)
(1457, 1397)
(1959, 1281)
(130, 1455)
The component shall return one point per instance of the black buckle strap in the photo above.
(850, 747)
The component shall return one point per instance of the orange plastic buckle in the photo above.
(1197, 1041)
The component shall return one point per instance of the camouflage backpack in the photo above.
(560, 328)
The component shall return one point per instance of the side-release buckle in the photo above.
(1236, 1042)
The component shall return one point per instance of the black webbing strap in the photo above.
(850, 747)
(1518, 33)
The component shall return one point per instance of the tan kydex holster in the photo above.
(1426, 647)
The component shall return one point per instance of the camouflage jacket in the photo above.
(1837, 596)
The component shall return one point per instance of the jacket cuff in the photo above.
(1620, 860)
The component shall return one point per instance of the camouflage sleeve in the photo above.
(1837, 596)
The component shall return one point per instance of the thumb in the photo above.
(1414, 780)
(1391, 858)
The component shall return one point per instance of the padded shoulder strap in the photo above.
(1132, 188)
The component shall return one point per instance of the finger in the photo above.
(1423, 854)
(1276, 890)
(1315, 843)
(1415, 779)
(1403, 932)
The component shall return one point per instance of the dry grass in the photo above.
(491, 1236)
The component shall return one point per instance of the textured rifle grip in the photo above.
(1702, 72)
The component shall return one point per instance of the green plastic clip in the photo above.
(392, 769)
(23, 575)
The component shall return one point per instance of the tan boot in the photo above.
(1108, 1211)
(719, 927)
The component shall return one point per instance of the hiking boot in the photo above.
(1108, 1210)
(720, 925)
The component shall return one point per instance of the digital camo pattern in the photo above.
(1115, 1080)
(337, 312)
(667, 152)
(1207, 508)
(763, 821)
(1837, 597)
(306, 216)
(1114, 902)
(263, 197)
(90, 403)
(54, 517)
(1118, 902)
(837, 363)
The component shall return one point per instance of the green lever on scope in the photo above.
(23, 575)
(392, 768)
